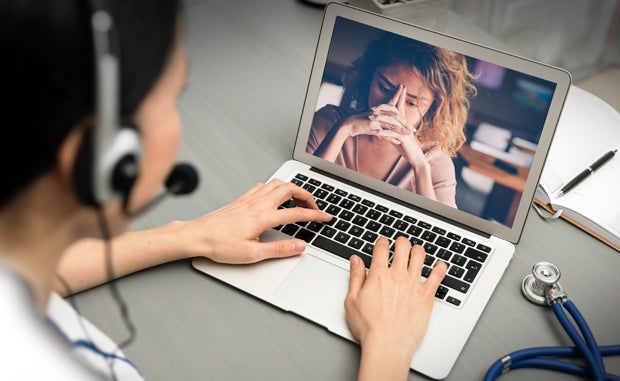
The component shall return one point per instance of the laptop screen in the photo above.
(453, 130)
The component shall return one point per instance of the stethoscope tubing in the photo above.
(530, 358)
(589, 348)
(539, 357)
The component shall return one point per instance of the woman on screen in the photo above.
(401, 118)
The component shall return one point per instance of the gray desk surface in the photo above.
(249, 69)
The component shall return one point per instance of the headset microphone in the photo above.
(183, 179)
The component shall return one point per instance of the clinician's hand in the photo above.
(230, 234)
(388, 310)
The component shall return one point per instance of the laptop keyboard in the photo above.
(358, 222)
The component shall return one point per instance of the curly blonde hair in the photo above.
(444, 71)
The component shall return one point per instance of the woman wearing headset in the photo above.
(49, 239)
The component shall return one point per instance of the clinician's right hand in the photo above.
(388, 310)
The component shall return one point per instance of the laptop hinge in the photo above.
(403, 203)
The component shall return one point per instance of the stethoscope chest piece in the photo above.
(543, 279)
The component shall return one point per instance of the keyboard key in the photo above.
(340, 192)
(301, 177)
(321, 193)
(356, 231)
(309, 188)
(410, 219)
(346, 215)
(456, 271)
(297, 182)
(356, 243)
(455, 284)
(339, 249)
(368, 248)
(374, 226)
(387, 231)
(360, 209)
(424, 225)
(416, 241)
(476, 254)
(328, 187)
(314, 226)
(396, 214)
(484, 248)
(359, 220)
(442, 241)
(373, 214)
(415, 230)
(472, 270)
(334, 198)
(288, 204)
(328, 231)
(428, 236)
(305, 234)
(368, 203)
(333, 210)
(382, 208)
(354, 197)
(441, 292)
(430, 248)
(321, 204)
(400, 225)
(439, 230)
(314, 182)
(444, 254)
(342, 237)
(468, 242)
(457, 247)
(454, 301)
(347, 204)
(290, 229)
(370, 237)
(429, 260)
(387, 220)
(459, 260)
(454, 236)
(426, 271)
(342, 225)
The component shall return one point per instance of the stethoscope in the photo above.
(542, 287)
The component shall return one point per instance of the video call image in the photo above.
(451, 128)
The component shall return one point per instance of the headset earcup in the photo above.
(119, 178)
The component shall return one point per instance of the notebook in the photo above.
(592, 205)
(484, 190)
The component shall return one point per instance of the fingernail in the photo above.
(355, 261)
(298, 245)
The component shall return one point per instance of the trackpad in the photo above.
(316, 290)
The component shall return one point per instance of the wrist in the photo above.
(174, 237)
(385, 358)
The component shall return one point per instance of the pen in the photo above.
(587, 172)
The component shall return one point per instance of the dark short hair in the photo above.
(47, 69)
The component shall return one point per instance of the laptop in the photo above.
(473, 227)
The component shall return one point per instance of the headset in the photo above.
(107, 163)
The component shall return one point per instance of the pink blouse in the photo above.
(401, 174)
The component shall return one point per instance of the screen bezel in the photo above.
(559, 77)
